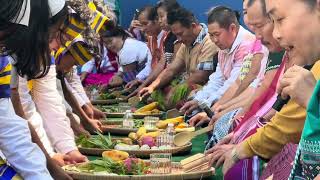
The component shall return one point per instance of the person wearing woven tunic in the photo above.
(155, 38)
(23, 27)
(256, 58)
(75, 86)
(263, 28)
(134, 56)
(225, 118)
(170, 44)
(301, 85)
(75, 44)
(286, 126)
(78, 51)
(235, 43)
(49, 102)
(194, 61)
(15, 137)
(99, 73)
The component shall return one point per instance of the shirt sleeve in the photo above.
(88, 67)
(24, 156)
(180, 56)
(226, 84)
(206, 59)
(215, 82)
(75, 84)
(145, 72)
(75, 94)
(286, 126)
(256, 83)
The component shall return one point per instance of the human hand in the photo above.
(145, 92)
(189, 106)
(133, 83)
(298, 83)
(97, 114)
(217, 154)
(199, 119)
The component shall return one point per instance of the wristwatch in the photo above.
(234, 155)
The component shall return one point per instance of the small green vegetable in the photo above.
(99, 141)
(104, 164)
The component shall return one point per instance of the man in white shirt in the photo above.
(226, 32)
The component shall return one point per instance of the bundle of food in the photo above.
(174, 95)
(118, 165)
(108, 109)
(137, 124)
(119, 111)
(115, 93)
(178, 122)
(149, 109)
(99, 141)
(141, 141)
(106, 96)
(113, 162)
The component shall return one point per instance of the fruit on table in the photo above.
(164, 124)
(151, 134)
(189, 129)
(141, 131)
(148, 107)
(133, 136)
(127, 141)
(148, 140)
(115, 155)
(182, 125)
(154, 111)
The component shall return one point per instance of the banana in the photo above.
(164, 124)
(141, 131)
(148, 107)
(152, 134)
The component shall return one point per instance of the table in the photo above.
(197, 147)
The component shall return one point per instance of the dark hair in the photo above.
(29, 44)
(224, 16)
(113, 30)
(147, 9)
(181, 15)
(263, 5)
(153, 15)
(168, 5)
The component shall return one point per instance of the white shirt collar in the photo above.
(239, 39)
